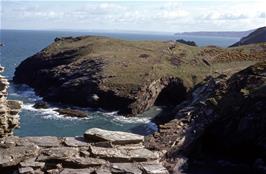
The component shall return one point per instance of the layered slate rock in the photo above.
(115, 137)
(74, 155)
(221, 127)
(9, 109)
(125, 76)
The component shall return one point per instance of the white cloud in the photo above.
(160, 16)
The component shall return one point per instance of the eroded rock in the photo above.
(9, 109)
(72, 113)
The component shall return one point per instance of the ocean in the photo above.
(19, 44)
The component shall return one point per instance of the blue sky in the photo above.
(161, 16)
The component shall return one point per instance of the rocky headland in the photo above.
(217, 95)
(257, 36)
(127, 76)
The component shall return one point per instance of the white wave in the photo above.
(50, 113)
(24, 92)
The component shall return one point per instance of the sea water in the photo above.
(19, 44)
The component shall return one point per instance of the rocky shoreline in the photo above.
(216, 123)
(221, 126)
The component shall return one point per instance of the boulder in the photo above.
(115, 137)
(41, 105)
(72, 113)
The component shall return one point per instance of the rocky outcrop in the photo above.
(72, 113)
(9, 109)
(256, 36)
(77, 155)
(126, 76)
(221, 126)
(191, 43)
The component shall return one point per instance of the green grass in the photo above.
(126, 69)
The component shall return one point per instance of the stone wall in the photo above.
(98, 151)
(9, 109)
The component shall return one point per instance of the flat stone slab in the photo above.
(129, 168)
(84, 162)
(32, 163)
(75, 142)
(116, 137)
(154, 169)
(44, 141)
(77, 171)
(123, 155)
(58, 153)
(26, 170)
(14, 155)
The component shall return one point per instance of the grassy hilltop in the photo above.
(126, 74)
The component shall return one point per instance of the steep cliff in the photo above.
(256, 36)
(221, 126)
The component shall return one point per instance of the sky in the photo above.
(159, 16)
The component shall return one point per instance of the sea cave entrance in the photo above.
(172, 94)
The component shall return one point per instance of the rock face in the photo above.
(221, 126)
(126, 76)
(256, 36)
(72, 155)
(9, 109)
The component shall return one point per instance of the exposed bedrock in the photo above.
(221, 127)
(9, 109)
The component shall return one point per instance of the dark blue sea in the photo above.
(18, 45)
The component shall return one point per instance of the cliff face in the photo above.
(9, 109)
(256, 36)
(128, 76)
(221, 126)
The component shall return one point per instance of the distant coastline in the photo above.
(216, 33)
